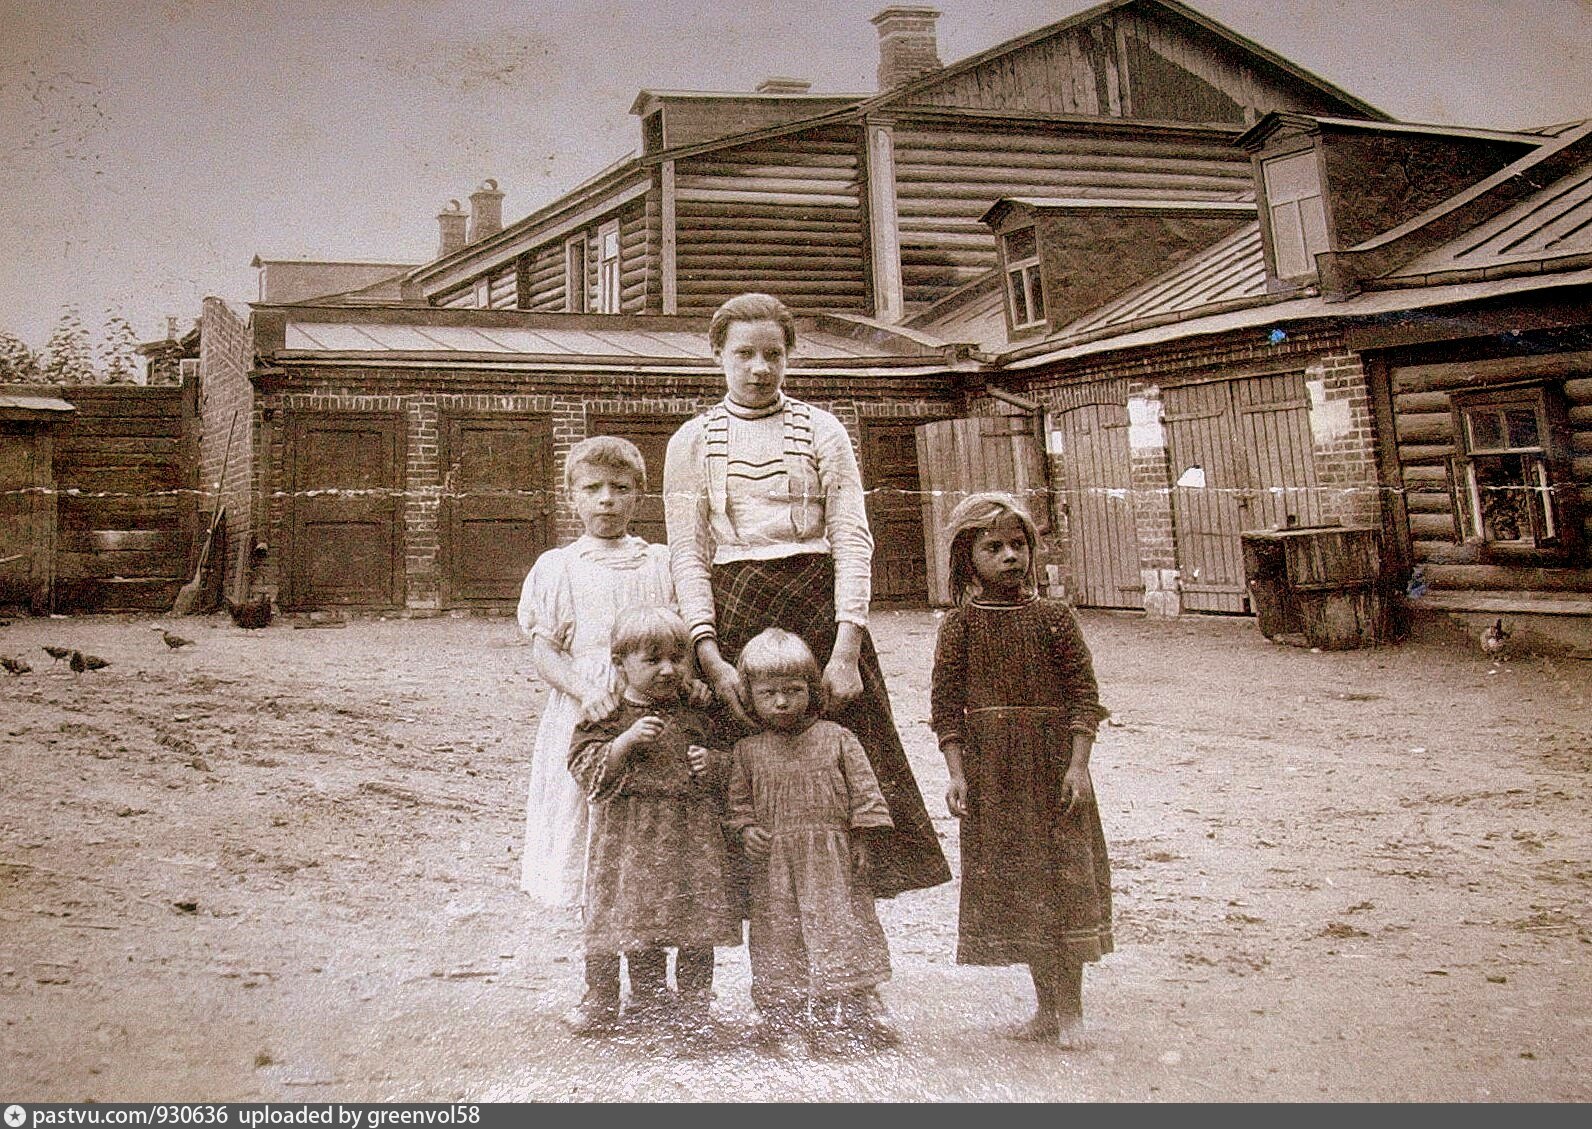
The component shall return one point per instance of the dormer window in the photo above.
(1296, 211)
(1024, 291)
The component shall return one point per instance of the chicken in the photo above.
(1495, 638)
(57, 653)
(175, 642)
(251, 613)
(81, 662)
(14, 666)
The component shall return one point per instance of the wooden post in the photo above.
(666, 266)
(1124, 82)
(884, 223)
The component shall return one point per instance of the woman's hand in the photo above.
(842, 681)
(956, 797)
(597, 703)
(1076, 787)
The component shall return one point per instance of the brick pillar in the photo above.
(1343, 439)
(1151, 473)
(422, 483)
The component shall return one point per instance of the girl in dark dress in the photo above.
(1015, 707)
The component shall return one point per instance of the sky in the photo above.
(149, 149)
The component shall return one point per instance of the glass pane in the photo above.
(1036, 293)
(1506, 498)
(1486, 429)
(1021, 244)
(1014, 286)
(1522, 424)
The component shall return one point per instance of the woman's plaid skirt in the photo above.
(798, 594)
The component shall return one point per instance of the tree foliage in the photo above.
(118, 351)
(19, 364)
(68, 356)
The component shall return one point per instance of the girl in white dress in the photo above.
(567, 606)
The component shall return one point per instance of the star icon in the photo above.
(15, 1116)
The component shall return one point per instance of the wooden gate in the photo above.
(496, 516)
(344, 474)
(650, 434)
(1242, 459)
(27, 516)
(895, 510)
(958, 457)
(1104, 547)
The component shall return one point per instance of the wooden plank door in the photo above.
(1209, 496)
(27, 517)
(650, 434)
(895, 511)
(497, 502)
(1274, 420)
(1101, 534)
(1250, 441)
(344, 521)
(958, 457)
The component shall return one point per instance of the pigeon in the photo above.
(1495, 638)
(14, 666)
(82, 662)
(57, 653)
(175, 642)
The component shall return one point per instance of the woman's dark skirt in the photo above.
(798, 594)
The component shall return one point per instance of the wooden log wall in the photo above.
(125, 537)
(947, 178)
(544, 278)
(1425, 434)
(783, 215)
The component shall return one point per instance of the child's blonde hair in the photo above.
(609, 452)
(640, 627)
(972, 516)
(776, 653)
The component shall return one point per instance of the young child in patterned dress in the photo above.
(655, 863)
(804, 801)
(1015, 706)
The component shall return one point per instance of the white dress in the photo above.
(571, 597)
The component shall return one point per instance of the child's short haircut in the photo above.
(751, 307)
(972, 516)
(638, 628)
(609, 452)
(775, 653)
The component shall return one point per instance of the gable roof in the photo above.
(907, 91)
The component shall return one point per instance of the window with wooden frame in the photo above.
(575, 274)
(1296, 212)
(1025, 294)
(1508, 473)
(483, 292)
(608, 268)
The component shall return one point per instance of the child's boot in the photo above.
(650, 1000)
(862, 1015)
(827, 1034)
(1045, 1025)
(598, 1011)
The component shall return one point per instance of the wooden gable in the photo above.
(1141, 59)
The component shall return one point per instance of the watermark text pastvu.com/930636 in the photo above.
(246, 1116)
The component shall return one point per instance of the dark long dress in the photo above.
(1014, 682)
(798, 594)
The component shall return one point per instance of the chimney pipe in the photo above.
(907, 45)
(451, 222)
(779, 84)
(486, 210)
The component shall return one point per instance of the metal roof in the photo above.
(586, 344)
(24, 402)
(1233, 269)
(1553, 223)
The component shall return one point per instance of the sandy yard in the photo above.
(282, 866)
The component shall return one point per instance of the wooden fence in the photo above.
(126, 468)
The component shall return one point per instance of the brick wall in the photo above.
(1343, 439)
(567, 401)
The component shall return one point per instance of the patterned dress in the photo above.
(813, 929)
(571, 598)
(1013, 682)
(656, 873)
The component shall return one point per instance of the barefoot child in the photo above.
(805, 802)
(567, 607)
(1015, 706)
(655, 866)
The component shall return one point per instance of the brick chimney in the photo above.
(451, 223)
(778, 84)
(486, 210)
(907, 46)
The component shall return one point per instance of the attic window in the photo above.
(1298, 215)
(608, 268)
(1504, 477)
(1024, 290)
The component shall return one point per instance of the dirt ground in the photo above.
(282, 866)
